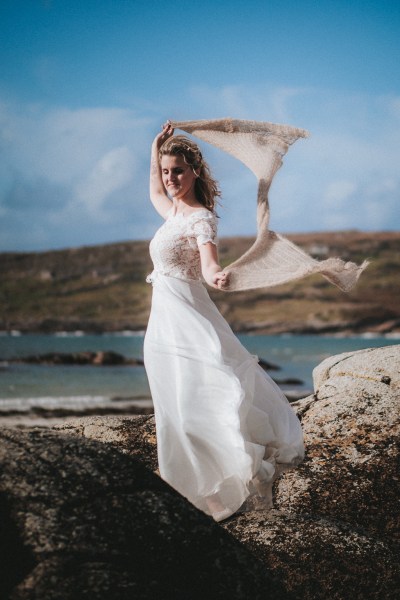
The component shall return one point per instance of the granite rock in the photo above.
(334, 530)
(133, 435)
(319, 558)
(352, 435)
(80, 519)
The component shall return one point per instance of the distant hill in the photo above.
(103, 288)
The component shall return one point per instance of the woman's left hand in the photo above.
(167, 132)
(221, 279)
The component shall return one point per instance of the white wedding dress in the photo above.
(224, 428)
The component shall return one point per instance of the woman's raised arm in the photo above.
(158, 194)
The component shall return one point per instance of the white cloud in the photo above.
(266, 102)
(281, 98)
(338, 192)
(81, 176)
(64, 144)
(111, 173)
(69, 170)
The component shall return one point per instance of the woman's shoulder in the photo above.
(202, 214)
(203, 226)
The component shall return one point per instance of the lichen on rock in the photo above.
(83, 512)
(88, 521)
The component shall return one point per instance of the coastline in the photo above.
(99, 289)
(51, 378)
(333, 527)
(389, 329)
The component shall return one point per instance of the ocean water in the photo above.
(23, 386)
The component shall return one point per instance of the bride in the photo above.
(224, 428)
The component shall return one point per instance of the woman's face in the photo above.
(178, 178)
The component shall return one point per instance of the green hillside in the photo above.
(103, 288)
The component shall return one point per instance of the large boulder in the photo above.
(81, 520)
(352, 434)
(334, 530)
(319, 558)
(332, 534)
(135, 436)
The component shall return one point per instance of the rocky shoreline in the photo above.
(372, 325)
(378, 325)
(99, 358)
(47, 411)
(83, 508)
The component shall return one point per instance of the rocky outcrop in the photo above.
(111, 358)
(352, 429)
(104, 358)
(332, 534)
(101, 358)
(320, 558)
(135, 436)
(334, 530)
(81, 520)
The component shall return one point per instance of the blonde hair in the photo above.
(206, 187)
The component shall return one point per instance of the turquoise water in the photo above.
(296, 355)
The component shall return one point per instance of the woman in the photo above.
(224, 428)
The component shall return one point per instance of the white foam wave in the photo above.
(51, 402)
(126, 333)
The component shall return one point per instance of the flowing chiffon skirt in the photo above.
(224, 428)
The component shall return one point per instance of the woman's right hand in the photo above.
(167, 132)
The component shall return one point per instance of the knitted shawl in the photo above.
(272, 259)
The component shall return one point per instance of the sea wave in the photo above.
(81, 404)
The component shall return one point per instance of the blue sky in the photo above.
(85, 85)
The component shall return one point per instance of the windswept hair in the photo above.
(206, 187)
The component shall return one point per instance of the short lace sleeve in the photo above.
(204, 229)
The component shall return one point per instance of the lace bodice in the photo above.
(174, 249)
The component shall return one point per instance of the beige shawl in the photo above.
(272, 259)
